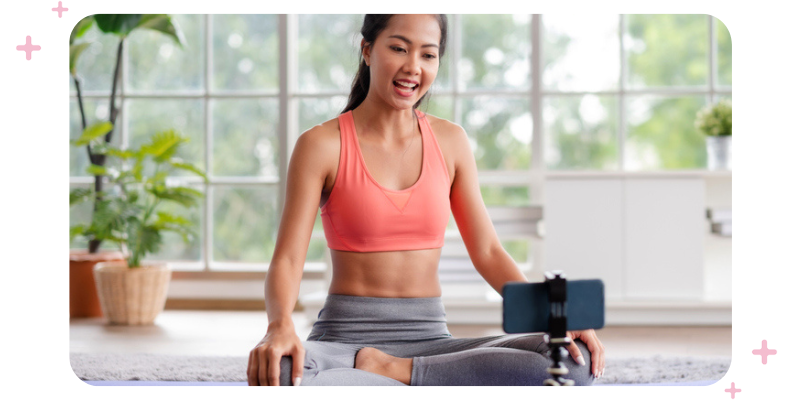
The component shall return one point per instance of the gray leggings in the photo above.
(416, 328)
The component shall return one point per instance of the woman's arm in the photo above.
(485, 250)
(304, 183)
(487, 254)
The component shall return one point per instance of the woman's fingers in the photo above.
(575, 352)
(298, 360)
(274, 367)
(252, 380)
(263, 364)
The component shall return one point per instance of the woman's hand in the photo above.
(263, 368)
(595, 347)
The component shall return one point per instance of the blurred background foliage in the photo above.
(666, 59)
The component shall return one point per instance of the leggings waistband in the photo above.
(358, 319)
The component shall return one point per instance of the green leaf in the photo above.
(165, 24)
(165, 219)
(163, 145)
(175, 223)
(75, 51)
(183, 195)
(158, 179)
(93, 169)
(79, 195)
(75, 231)
(80, 28)
(93, 132)
(118, 24)
(141, 240)
(180, 164)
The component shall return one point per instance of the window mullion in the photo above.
(208, 226)
(623, 71)
(712, 65)
(457, 33)
(536, 186)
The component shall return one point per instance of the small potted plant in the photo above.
(83, 301)
(133, 291)
(715, 121)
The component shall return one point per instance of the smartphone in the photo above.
(526, 309)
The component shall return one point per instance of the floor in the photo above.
(234, 333)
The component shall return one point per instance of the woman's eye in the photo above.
(430, 56)
(397, 48)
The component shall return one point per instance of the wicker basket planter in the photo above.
(132, 296)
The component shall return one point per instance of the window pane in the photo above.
(147, 117)
(96, 65)
(505, 196)
(173, 247)
(496, 51)
(517, 249)
(443, 79)
(661, 133)
(580, 52)
(245, 137)
(666, 50)
(439, 106)
(245, 223)
(580, 132)
(328, 48)
(500, 131)
(157, 62)
(317, 247)
(724, 60)
(245, 49)
(318, 110)
(96, 110)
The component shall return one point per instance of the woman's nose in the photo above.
(412, 65)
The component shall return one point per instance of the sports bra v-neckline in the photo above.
(352, 122)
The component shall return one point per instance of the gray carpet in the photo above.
(148, 367)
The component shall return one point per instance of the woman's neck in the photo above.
(385, 123)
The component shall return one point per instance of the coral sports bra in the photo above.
(362, 216)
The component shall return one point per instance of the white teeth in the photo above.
(406, 84)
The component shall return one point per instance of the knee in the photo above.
(286, 371)
(581, 374)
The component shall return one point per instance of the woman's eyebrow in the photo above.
(405, 39)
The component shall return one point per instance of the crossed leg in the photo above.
(504, 360)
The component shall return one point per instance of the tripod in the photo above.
(556, 336)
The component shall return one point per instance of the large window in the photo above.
(536, 95)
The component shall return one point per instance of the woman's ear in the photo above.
(365, 51)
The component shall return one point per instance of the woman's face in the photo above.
(404, 59)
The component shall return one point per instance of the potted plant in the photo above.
(133, 291)
(83, 297)
(715, 121)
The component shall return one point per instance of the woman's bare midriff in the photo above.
(410, 273)
(407, 273)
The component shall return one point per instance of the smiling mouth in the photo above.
(405, 87)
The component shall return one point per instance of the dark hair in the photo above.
(373, 25)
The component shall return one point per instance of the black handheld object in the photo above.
(526, 306)
(554, 306)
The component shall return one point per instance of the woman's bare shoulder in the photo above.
(324, 131)
(444, 128)
(319, 146)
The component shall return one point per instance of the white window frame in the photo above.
(288, 96)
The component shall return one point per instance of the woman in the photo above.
(387, 177)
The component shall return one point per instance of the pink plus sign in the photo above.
(28, 47)
(60, 9)
(733, 390)
(764, 352)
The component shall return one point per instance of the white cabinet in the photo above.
(642, 236)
